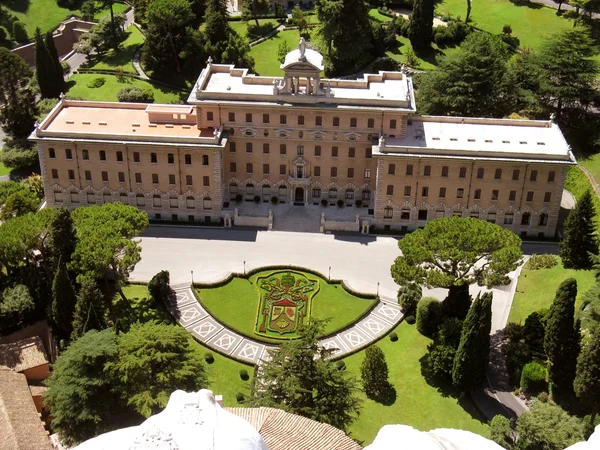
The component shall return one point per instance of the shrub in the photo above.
(507, 29)
(209, 358)
(135, 95)
(341, 365)
(19, 33)
(239, 198)
(324, 202)
(340, 202)
(533, 378)
(537, 262)
(358, 203)
(453, 33)
(240, 397)
(159, 288)
(408, 297)
(18, 157)
(244, 375)
(66, 68)
(96, 82)
(2, 34)
(274, 200)
(410, 320)
(256, 199)
(393, 336)
(429, 316)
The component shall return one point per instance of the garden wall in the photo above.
(253, 221)
(340, 225)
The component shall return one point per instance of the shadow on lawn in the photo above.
(387, 396)
(20, 6)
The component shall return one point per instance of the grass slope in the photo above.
(122, 58)
(417, 403)
(537, 288)
(577, 183)
(265, 53)
(378, 17)
(592, 163)
(249, 30)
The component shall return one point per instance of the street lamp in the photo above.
(330, 274)
(244, 267)
(192, 276)
(378, 289)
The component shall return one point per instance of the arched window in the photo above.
(525, 219)
(207, 203)
(543, 220)
(249, 189)
(140, 200)
(156, 201)
(190, 202)
(266, 190)
(388, 212)
(349, 194)
(333, 193)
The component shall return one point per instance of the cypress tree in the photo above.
(561, 341)
(580, 239)
(62, 234)
(374, 372)
(41, 65)
(90, 309)
(587, 379)
(58, 85)
(63, 300)
(471, 359)
(421, 24)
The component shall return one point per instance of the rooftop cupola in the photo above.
(302, 67)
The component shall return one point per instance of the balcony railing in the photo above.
(295, 180)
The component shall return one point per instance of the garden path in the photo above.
(190, 314)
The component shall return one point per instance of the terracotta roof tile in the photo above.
(23, 355)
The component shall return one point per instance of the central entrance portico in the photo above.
(299, 196)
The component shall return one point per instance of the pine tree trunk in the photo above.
(468, 11)
(172, 42)
(112, 27)
(559, 6)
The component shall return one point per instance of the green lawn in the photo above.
(592, 163)
(124, 57)
(249, 29)
(577, 183)
(236, 304)
(537, 288)
(530, 23)
(378, 17)
(46, 14)
(136, 291)
(429, 62)
(417, 403)
(77, 87)
(3, 169)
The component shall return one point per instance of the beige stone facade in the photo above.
(305, 140)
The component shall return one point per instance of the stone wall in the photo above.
(340, 225)
(253, 221)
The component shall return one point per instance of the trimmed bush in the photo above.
(19, 33)
(209, 358)
(340, 202)
(135, 95)
(324, 202)
(244, 375)
(240, 397)
(393, 336)
(239, 198)
(358, 203)
(256, 199)
(429, 316)
(341, 365)
(274, 200)
(18, 157)
(537, 262)
(533, 378)
(410, 320)
(96, 83)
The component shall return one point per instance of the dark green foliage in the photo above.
(393, 336)
(501, 432)
(62, 235)
(587, 380)
(411, 320)
(302, 379)
(240, 397)
(156, 52)
(216, 28)
(159, 287)
(458, 302)
(537, 262)
(580, 235)
(42, 70)
(341, 365)
(561, 341)
(244, 374)
(63, 300)
(96, 82)
(408, 297)
(18, 204)
(441, 352)
(90, 309)
(452, 34)
(20, 156)
(16, 305)
(135, 95)
(153, 360)
(429, 316)
(472, 82)
(534, 332)
(374, 373)
(421, 24)
(19, 32)
(45, 106)
(533, 378)
(209, 358)
(55, 70)
(470, 362)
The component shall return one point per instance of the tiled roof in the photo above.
(283, 431)
(20, 425)
(23, 355)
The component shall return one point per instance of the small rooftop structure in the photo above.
(20, 424)
(23, 355)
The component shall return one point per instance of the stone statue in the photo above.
(302, 48)
(382, 141)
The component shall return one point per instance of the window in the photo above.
(173, 203)
(282, 169)
(68, 153)
(427, 171)
(266, 169)
(516, 174)
(498, 174)
(190, 203)
(121, 177)
(350, 172)
(390, 189)
(232, 147)
(138, 177)
(154, 178)
(171, 158)
(424, 191)
(533, 175)
(495, 194)
(480, 173)
(283, 119)
(491, 217)
(52, 153)
(232, 167)
(393, 124)
(333, 172)
(248, 147)
(547, 197)
(171, 178)
(266, 148)
(317, 150)
(120, 156)
(477, 194)
(460, 192)
(388, 212)
(207, 204)
(188, 160)
(351, 152)
(407, 190)
(405, 214)
(248, 117)
(316, 192)
(529, 197)
(367, 173)
(366, 195)
(409, 169)
(445, 171)
(231, 117)
(543, 220)
(462, 173)
(188, 180)
(551, 176)
(156, 201)
(209, 116)
(71, 174)
(525, 219)
(512, 196)
(282, 149)
(334, 152)
(136, 157)
(508, 219)
(140, 200)
(349, 194)
(205, 180)
(336, 121)
(300, 120)
(318, 121)
(249, 167)
(422, 214)
(371, 123)
(85, 155)
(317, 171)
(88, 175)
(391, 169)
(369, 153)
(205, 160)
(265, 118)
(153, 158)
(443, 192)
(104, 176)
(353, 122)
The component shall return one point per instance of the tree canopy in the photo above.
(421, 24)
(580, 240)
(587, 379)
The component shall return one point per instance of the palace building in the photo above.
(308, 141)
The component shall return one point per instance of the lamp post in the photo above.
(244, 267)
(330, 274)
(192, 277)
(378, 289)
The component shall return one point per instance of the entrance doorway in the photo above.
(299, 195)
